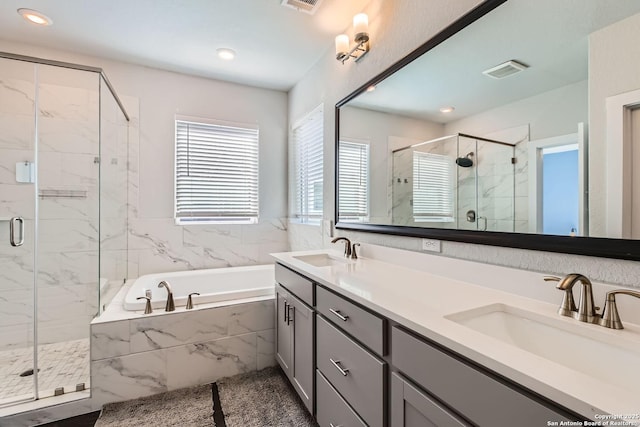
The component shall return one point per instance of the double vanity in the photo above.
(366, 342)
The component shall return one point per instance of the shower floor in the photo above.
(62, 364)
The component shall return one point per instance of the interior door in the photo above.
(17, 243)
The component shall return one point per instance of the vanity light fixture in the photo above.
(35, 17)
(226, 53)
(446, 110)
(361, 30)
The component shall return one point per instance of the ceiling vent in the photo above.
(306, 6)
(505, 69)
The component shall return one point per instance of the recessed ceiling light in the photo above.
(447, 109)
(371, 88)
(226, 54)
(35, 17)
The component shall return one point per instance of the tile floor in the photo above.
(63, 364)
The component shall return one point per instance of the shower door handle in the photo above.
(12, 231)
(484, 226)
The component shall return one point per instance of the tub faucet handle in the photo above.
(147, 307)
(190, 300)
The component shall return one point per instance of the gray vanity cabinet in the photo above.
(480, 397)
(411, 407)
(294, 338)
(284, 338)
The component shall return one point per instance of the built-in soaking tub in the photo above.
(213, 285)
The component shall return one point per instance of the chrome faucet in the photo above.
(170, 304)
(347, 245)
(586, 310)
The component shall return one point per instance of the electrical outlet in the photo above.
(431, 245)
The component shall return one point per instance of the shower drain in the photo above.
(27, 373)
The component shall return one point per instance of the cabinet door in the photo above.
(410, 407)
(301, 319)
(283, 330)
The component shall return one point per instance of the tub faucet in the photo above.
(586, 310)
(170, 304)
(347, 245)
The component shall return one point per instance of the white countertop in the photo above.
(420, 300)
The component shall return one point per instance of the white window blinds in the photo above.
(216, 172)
(353, 176)
(307, 137)
(432, 187)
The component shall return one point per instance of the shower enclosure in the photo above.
(63, 220)
(459, 181)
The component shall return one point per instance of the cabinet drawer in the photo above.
(332, 410)
(478, 397)
(354, 372)
(410, 407)
(298, 285)
(362, 325)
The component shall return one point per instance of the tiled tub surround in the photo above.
(135, 355)
(419, 291)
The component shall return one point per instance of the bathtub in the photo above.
(214, 285)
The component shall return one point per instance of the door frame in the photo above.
(619, 163)
(535, 177)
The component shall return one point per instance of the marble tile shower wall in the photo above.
(114, 159)
(17, 92)
(68, 143)
(495, 186)
(159, 245)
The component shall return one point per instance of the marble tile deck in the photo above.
(62, 364)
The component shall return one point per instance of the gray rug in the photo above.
(185, 407)
(261, 399)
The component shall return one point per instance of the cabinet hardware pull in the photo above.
(286, 312)
(342, 370)
(289, 312)
(340, 316)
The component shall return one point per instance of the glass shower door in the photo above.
(17, 230)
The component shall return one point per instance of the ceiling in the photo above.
(549, 36)
(275, 45)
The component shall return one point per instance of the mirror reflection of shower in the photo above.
(466, 161)
(438, 183)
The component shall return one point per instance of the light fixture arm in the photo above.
(361, 46)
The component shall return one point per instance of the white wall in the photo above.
(614, 61)
(397, 28)
(156, 244)
(380, 130)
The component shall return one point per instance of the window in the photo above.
(353, 176)
(432, 188)
(307, 136)
(216, 172)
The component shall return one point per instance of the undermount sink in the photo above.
(321, 260)
(586, 348)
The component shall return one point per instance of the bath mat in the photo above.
(259, 399)
(185, 407)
